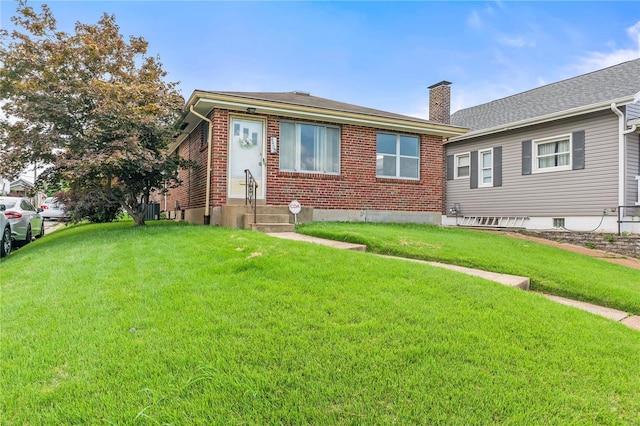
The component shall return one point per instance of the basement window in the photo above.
(558, 222)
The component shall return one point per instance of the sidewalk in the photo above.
(504, 279)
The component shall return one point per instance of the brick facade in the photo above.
(355, 188)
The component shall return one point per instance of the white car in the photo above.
(53, 209)
(26, 221)
(5, 243)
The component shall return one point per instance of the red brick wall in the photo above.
(192, 191)
(357, 186)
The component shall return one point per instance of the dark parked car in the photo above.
(24, 218)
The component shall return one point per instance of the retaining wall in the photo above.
(628, 245)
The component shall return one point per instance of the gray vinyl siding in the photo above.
(633, 157)
(633, 111)
(583, 192)
(633, 168)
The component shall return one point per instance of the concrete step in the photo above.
(269, 228)
(268, 209)
(264, 218)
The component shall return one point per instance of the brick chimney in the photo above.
(440, 102)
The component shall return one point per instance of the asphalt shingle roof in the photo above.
(305, 99)
(608, 84)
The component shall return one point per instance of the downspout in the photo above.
(207, 203)
(621, 152)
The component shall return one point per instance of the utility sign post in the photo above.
(295, 208)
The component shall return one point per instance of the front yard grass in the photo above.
(551, 270)
(168, 324)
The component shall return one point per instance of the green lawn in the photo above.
(168, 324)
(551, 270)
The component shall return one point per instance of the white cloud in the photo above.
(634, 32)
(598, 60)
(515, 41)
(475, 21)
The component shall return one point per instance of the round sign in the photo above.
(295, 207)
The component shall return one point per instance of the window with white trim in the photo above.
(552, 154)
(397, 156)
(462, 165)
(309, 148)
(485, 167)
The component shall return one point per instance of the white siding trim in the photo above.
(574, 223)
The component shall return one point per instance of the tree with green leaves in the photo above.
(92, 104)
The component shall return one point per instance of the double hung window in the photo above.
(486, 167)
(552, 154)
(309, 148)
(397, 156)
(462, 165)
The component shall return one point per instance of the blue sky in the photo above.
(381, 55)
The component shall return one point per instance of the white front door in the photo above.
(247, 150)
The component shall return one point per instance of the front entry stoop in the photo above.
(269, 219)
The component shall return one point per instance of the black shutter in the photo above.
(450, 167)
(497, 166)
(526, 157)
(577, 140)
(473, 169)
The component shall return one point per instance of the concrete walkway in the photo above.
(504, 279)
(306, 238)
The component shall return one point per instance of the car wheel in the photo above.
(5, 244)
(41, 234)
(29, 236)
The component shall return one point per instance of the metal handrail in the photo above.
(620, 216)
(250, 193)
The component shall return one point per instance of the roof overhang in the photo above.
(601, 106)
(204, 102)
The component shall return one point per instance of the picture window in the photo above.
(309, 148)
(397, 156)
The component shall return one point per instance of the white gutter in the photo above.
(543, 119)
(621, 152)
(207, 216)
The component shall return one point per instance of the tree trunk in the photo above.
(137, 210)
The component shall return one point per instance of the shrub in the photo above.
(94, 205)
